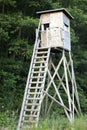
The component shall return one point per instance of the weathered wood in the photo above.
(39, 87)
(40, 57)
(31, 110)
(59, 96)
(30, 116)
(30, 104)
(35, 84)
(42, 52)
(67, 84)
(35, 93)
(58, 102)
(36, 90)
(53, 76)
(36, 98)
(30, 121)
(36, 77)
(39, 67)
(40, 62)
(35, 72)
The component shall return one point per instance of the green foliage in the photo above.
(17, 35)
(13, 78)
(20, 48)
(62, 124)
(80, 124)
(8, 121)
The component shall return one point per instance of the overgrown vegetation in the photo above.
(8, 121)
(18, 21)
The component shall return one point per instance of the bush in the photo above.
(8, 121)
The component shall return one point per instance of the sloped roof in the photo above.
(56, 10)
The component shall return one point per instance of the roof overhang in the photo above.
(56, 10)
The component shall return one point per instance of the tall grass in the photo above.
(62, 123)
(9, 122)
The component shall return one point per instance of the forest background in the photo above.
(18, 21)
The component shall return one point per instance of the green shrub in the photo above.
(8, 121)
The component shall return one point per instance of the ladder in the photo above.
(33, 95)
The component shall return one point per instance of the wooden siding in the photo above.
(58, 33)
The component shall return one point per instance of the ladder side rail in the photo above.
(27, 86)
(22, 108)
(37, 42)
(38, 107)
(32, 108)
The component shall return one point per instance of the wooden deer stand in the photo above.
(55, 33)
(51, 60)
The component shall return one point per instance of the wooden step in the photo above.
(36, 82)
(32, 98)
(39, 62)
(34, 93)
(40, 57)
(31, 116)
(36, 77)
(39, 67)
(41, 48)
(35, 87)
(27, 121)
(30, 104)
(42, 52)
(35, 72)
(34, 110)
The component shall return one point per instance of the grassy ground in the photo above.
(9, 122)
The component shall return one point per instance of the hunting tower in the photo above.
(55, 27)
(51, 74)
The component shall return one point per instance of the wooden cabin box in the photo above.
(55, 30)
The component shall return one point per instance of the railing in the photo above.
(51, 36)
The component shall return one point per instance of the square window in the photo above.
(46, 26)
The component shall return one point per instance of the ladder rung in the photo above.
(32, 98)
(34, 92)
(31, 110)
(35, 72)
(36, 82)
(41, 48)
(42, 52)
(27, 121)
(36, 77)
(39, 67)
(40, 62)
(41, 57)
(30, 115)
(30, 104)
(35, 87)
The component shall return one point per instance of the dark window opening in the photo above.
(46, 26)
(66, 27)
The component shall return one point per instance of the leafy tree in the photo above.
(18, 21)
